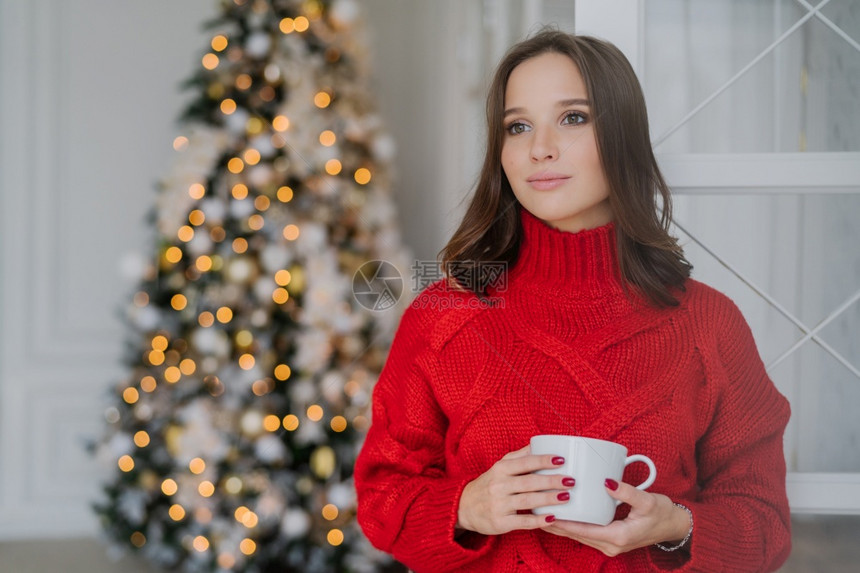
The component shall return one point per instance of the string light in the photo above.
(176, 512)
(244, 338)
(282, 277)
(219, 43)
(327, 138)
(125, 463)
(338, 423)
(240, 245)
(156, 357)
(281, 123)
(252, 156)
(206, 319)
(200, 543)
(141, 439)
(256, 222)
(187, 366)
(271, 423)
(196, 217)
(210, 61)
(196, 191)
(263, 386)
(246, 361)
(280, 295)
(291, 232)
(224, 314)
(335, 537)
(138, 539)
(206, 488)
(185, 233)
(240, 512)
(180, 143)
(228, 106)
(148, 384)
(235, 165)
(287, 25)
(291, 422)
(197, 466)
(172, 374)
(301, 24)
(141, 299)
(322, 100)
(243, 81)
(178, 301)
(329, 511)
(247, 546)
(173, 255)
(282, 372)
(333, 166)
(130, 395)
(254, 126)
(362, 176)
(169, 487)
(203, 263)
(315, 412)
(250, 519)
(262, 203)
(226, 560)
(159, 342)
(285, 194)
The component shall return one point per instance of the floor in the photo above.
(821, 545)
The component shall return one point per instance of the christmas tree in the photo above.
(251, 354)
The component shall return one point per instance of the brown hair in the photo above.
(650, 259)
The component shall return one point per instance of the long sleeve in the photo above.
(741, 512)
(407, 504)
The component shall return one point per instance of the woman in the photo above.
(595, 329)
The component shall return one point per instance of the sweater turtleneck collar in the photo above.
(566, 263)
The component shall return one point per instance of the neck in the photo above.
(581, 263)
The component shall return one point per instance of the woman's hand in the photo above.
(653, 519)
(501, 499)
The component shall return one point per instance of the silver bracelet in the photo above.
(689, 533)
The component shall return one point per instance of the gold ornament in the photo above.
(323, 462)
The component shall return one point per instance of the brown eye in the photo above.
(574, 118)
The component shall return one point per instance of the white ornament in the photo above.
(239, 269)
(241, 208)
(295, 523)
(252, 422)
(214, 210)
(344, 12)
(275, 257)
(268, 448)
(258, 44)
(342, 495)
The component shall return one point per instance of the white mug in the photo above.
(590, 462)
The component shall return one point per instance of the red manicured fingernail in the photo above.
(568, 482)
(612, 484)
(550, 518)
(558, 460)
(563, 496)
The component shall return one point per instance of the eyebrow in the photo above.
(562, 103)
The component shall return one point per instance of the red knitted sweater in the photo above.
(566, 351)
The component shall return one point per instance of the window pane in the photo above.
(804, 95)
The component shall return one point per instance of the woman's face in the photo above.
(549, 152)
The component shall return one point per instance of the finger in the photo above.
(531, 463)
(524, 451)
(530, 482)
(626, 493)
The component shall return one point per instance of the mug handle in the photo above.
(652, 471)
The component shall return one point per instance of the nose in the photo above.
(544, 145)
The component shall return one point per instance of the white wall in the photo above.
(88, 98)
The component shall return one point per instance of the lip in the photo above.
(547, 180)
